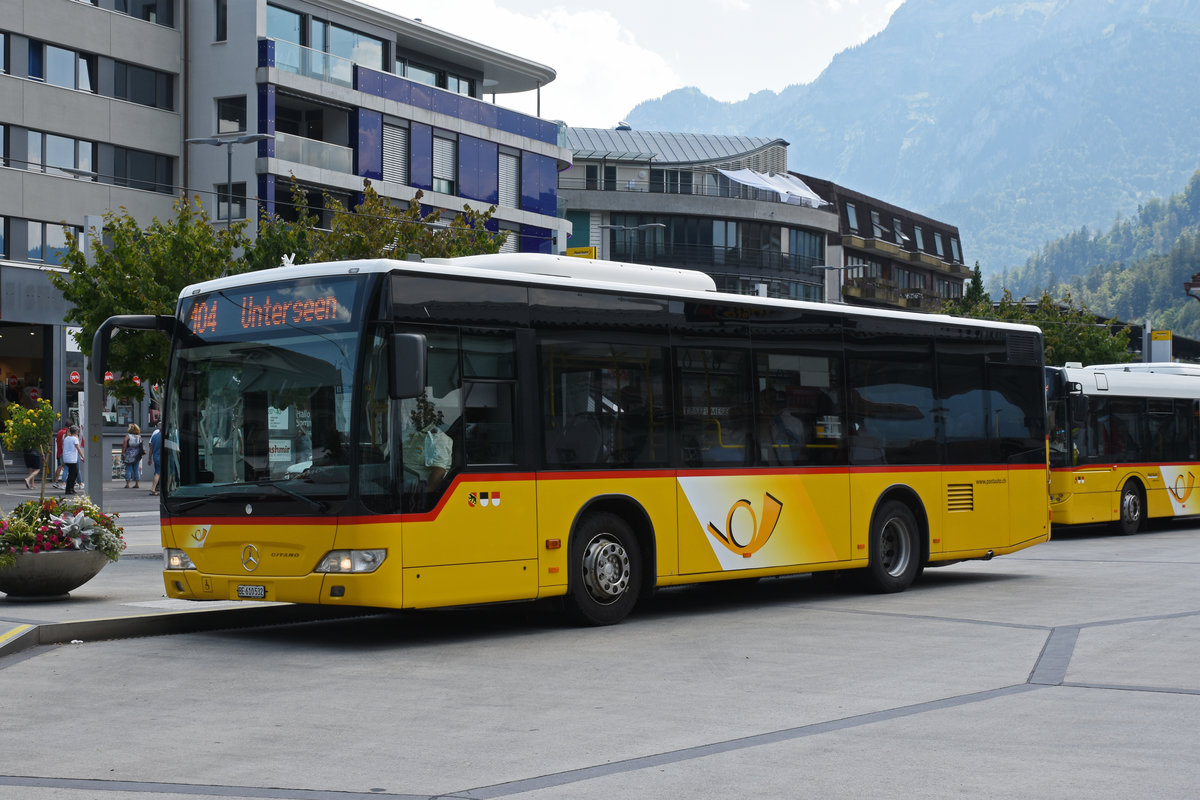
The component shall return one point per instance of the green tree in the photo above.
(141, 271)
(1069, 333)
(376, 228)
(974, 294)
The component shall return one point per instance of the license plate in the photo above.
(252, 592)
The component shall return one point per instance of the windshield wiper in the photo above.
(316, 505)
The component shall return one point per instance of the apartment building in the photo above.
(113, 104)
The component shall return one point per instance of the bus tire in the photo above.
(894, 549)
(1133, 508)
(606, 570)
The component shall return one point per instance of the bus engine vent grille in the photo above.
(1024, 348)
(960, 497)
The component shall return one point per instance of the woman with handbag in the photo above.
(131, 455)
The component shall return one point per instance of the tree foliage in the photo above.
(140, 270)
(1069, 332)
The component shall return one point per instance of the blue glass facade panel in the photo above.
(266, 195)
(266, 52)
(402, 90)
(266, 119)
(420, 151)
(478, 176)
(539, 184)
(368, 148)
(535, 240)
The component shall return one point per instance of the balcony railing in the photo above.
(299, 60)
(746, 262)
(322, 155)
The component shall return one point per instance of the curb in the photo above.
(24, 637)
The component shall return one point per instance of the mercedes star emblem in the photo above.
(250, 558)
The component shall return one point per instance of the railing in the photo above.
(314, 153)
(299, 60)
(748, 263)
(576, 179)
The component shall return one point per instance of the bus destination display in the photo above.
(268, 307)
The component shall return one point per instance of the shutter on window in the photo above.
(510, 181)
(444, 158)
(395, 154)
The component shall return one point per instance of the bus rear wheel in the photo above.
(1133, 508)
(606, 570)
(895, 549)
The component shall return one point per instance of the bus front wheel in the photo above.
(1133, 508)
(606, 570)
(895, 549)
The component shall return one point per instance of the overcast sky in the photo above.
(610, 59)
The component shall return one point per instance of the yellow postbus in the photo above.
(1123, 443)
(515, 427)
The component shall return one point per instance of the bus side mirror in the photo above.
(1074, 387)
(406, 377)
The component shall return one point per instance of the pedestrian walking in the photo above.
(156, 456)
(72, 456)
(131, 455)
(33, 460)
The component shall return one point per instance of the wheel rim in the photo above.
(1131, 506)
(895, 547)
(605, 569)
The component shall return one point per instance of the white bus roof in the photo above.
(578, 273)
(1133, 380)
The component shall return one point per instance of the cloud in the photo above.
(603, 70)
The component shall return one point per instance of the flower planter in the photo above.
(50, 576)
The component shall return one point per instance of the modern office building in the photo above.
(728, 206)
(101, 104)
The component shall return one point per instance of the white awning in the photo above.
(789, 188)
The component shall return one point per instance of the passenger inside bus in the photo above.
(428, 453)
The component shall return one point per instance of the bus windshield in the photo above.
(259, 397)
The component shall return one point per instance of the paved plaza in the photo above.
(1067, 670)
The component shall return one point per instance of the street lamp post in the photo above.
(229, 143)
(830, 295)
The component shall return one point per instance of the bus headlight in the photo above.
(176, 559)
(352, 561)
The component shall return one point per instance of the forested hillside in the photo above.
(1134, 272)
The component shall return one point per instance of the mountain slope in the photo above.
(1016, 121)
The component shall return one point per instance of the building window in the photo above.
(591, 177)
(231, 114)
(954, 250)
(459, 85)
(58, 66)
(920, 235)
(852, 217)
(3, 53)
(47, 241)
(239, 201)
(859, 267)
(445, 165)
(877, 229)
(948, 290)
(141, 170)
(160, 12)
(3, 237)
(59, 155)
(898, 231)
(395, 154)
(806, 248)
(937, 245)
(510, 180)
(610, 179)
(420, 74)
(283, 25)
(222, 13)
(907, 279)
(147, 87)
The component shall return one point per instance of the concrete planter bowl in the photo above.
(50, 576)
